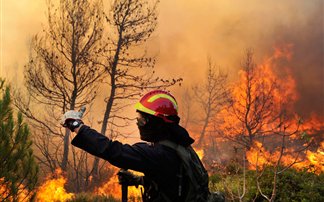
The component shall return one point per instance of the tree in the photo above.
(128, 68)
(261, 121)
(293, 185)
(62, 74)
(252, 106)
(65, 69)
(186, 105)
(211, 96)
(69, 61)
(18, 169)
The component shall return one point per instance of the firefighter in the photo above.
(157, 121)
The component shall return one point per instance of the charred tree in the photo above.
(128, 68)
(62, 74)
(260, 120)
(252, 104)
(186, 104)
(211, 96)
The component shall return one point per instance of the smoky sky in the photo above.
(307, 64)
(190, 31)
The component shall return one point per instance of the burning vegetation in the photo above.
(258, 156)
(259, 131)
(250, 134)
(113, 188)
(260, 119)
(6, 195)
(53, 189)
(257, 128)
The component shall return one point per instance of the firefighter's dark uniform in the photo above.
(159, 163)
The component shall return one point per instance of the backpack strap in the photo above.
(161, 196)
(184, 154)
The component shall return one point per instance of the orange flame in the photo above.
(260, 94)
(53, 189)
(200, 153)
(316, 159)
(283, 51)
(282, 95)
(3, 189)
(113, 188)
(5, 192)
(313, 124)
(258, 156)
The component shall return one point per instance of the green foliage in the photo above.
(86, 197)
(18, 169)
(215, 178)
(301, 186)
(305, 136)
(292, 186)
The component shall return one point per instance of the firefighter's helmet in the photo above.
(158, 103)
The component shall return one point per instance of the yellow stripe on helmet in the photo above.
(157, 96)
(142, 108)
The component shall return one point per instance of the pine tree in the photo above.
(18, 169)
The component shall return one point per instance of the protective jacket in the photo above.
(159, 163)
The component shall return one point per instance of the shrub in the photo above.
(291, 186)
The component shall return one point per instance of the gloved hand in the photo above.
(72, 119)
(127, 178)
(72, 124)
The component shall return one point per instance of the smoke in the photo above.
(308, 60)
(190, 31)
(20, 20)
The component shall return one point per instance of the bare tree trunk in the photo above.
(95, 170)
(73, 99)
(203, 130)
(211, 96)
(244, 176)
(134, 22)
(95, 167)
(65, 150)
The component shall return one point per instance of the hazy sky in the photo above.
(191, 30)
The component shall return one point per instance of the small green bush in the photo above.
(292, 186)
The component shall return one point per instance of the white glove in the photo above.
(72, 119)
